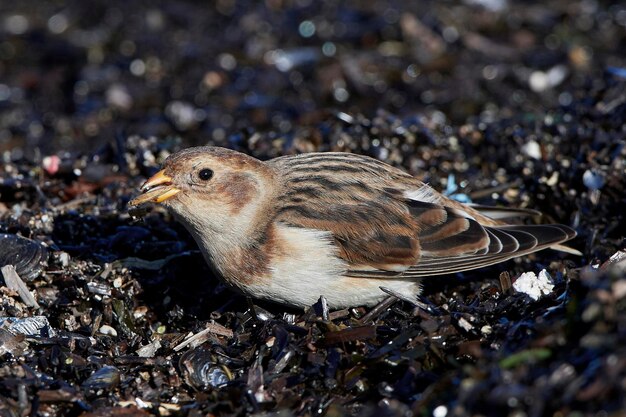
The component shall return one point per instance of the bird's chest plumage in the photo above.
(286, 264)
(302, 264)
(295, 266)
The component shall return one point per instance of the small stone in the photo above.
(64, 258)
(465, 325)
(532, 149)
(593, 180)
(107, 330)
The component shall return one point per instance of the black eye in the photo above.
(205, 174)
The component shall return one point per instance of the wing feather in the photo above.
(504, 213)
(387, 224)
(533, 237)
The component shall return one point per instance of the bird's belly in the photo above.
(339, 291)
(301, 266)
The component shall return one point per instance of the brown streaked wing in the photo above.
(380, 233)
(366, 234)
(529, 238)
(532, 238)
(363, 203)
(444, 231)
(356, 198)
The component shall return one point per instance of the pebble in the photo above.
(107, 330)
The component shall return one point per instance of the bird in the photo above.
(339, 225)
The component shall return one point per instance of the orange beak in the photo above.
(157, 189)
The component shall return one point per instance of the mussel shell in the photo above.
(201, 370)
(107, 377)
(26, 255)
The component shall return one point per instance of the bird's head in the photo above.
(211, 189)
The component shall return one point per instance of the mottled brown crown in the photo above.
(210, 154)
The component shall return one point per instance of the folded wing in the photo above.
(387, 224)
(452, 241)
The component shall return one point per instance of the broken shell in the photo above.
(202, 371)
(26, 255)
(28, 326)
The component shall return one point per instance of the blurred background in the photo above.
(501, 102)
(77, 75)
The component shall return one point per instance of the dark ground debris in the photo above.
(514, 103)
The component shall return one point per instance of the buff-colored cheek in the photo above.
(237, 190)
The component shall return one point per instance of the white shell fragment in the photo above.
(14, 282)
(534, 286)
(466, 325)
(149, 350)
(107, 330)
(532, 149)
